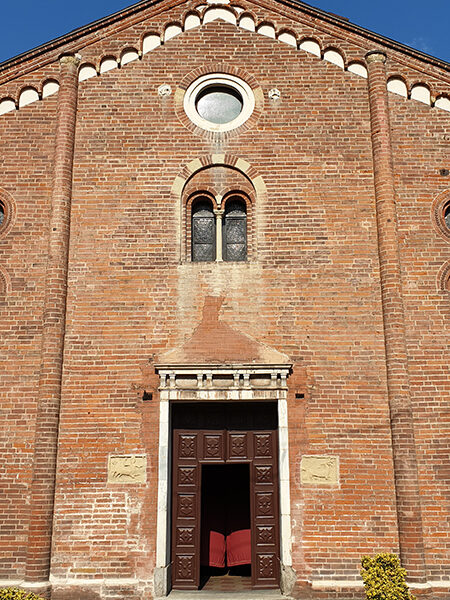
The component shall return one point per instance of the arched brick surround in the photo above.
(9, 207)
(443, 278)
(5, 282)
(218, 68)
(437, 214)
(249, 182)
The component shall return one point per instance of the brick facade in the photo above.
(347, 278)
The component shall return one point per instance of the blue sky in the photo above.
(25, 24)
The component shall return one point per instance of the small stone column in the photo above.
(402, 427)
(219, 242)
(54, 313)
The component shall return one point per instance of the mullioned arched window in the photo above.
(219, 231)
(203, 230)
(234, 233)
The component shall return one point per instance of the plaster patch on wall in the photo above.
(6, 105)
(247, 23)
(319, 470)
(28, 96)
(127, 468)
(50, 88)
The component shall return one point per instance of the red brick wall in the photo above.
(26, 151)
(420, 145)
(312, 291)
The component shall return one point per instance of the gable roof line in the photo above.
(368, 33)
(78, 33)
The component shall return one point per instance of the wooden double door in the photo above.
(200, 456)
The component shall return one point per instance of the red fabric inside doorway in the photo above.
(225, 527)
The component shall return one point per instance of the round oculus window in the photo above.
(219, 102)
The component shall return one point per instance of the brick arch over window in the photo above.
(216, 185)
(8, 210)
(219, 177)
(5, 283)
(443, 278)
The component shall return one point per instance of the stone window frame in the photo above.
(191, 194)
(225, 80)
(190, 216)
(227, 217)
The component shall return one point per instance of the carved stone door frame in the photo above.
(212, 383)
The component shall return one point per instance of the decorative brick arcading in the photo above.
(402, 427)
(46, 434)
(406, 83)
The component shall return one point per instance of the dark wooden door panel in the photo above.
(213, 446)
(187, 475)
(238, 446)
(186, 506)
(185, 511)
(191, 449)
(186, 445)
(263, 444)
(264, 474)
(184, 572)
(185, 537)
(265, 535)
(265, 518)
(264, 504)
(267, 570)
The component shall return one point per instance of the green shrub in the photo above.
(13, 593)
(384, 578)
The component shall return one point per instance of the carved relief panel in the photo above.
(187, 475)
(263, 445)
(184, 570)
(185, 536)
(264, 474)
(265, 535)
(186, 506)
(187, 446)
(213, 447)
(238, 447)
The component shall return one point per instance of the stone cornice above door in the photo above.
(237, 382)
